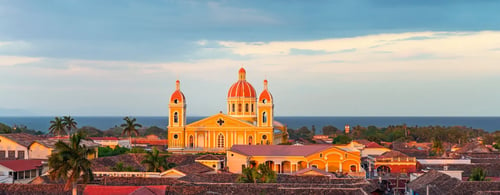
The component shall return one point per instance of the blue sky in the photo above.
(322, 58)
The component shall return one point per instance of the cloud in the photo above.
(15, 60)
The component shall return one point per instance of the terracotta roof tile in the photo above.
(193, 168)
(104, 138)
(392, 154)
(373, 145)
(125, 190)
(302, 171)
(23, 139)
(208, 157)
(279, 150)
(21, 165)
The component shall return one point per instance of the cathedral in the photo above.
(249, 120)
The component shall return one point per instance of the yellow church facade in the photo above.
(249, 120)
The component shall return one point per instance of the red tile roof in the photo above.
(21, 165)
(23, 139)
(193, 168)
(279, 150)
(392, 154)
(373, 145)
(208, 157)
(125, 190)
(103, 138)
(160, 142)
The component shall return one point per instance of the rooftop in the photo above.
(279, 150)
(21, 165)
(23, 139)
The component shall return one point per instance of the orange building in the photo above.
(249, 120)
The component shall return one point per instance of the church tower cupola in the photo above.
(177, 108)
(265, 108)
(241, 99)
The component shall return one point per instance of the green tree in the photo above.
(154, 130)
(69, 123)
(119, 167)
(69, 162)
(342, 139)
(329, 130)
(437, 147)
(130, 127)
(57, 127)
(478, 174)
(261, 174)
(155, 162)
(5, 128)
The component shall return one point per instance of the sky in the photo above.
(321, 58)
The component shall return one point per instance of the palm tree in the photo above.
(129, 127)
(57, 127)
(437, 146)
(70, 162)
(261, 173)
(154, 162)
(478, 174)
(69, 123)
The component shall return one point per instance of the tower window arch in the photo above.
(176, 101)
(239, 107)
(252, 107)
(246, 107)
(250, 140)
(233, 108)
(191, 141)
(264, 101)
(264, 117)
(220, 141)
(176, 117)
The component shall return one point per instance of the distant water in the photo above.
(487, 123)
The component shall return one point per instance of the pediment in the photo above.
(220, 120)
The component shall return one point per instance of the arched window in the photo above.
(264, 101)
(220, 141)
(239, 107)
(175, 101)
(252, 107)
(264, 117)
(176, 117)
(246, 107)
(250, 140)
(191, 141)
(353, 168)
(233, 108)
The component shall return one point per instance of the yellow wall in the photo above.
(331, 160)
(205, 133)
(39, 151)
(7, 144)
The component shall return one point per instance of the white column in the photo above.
(326, 166)
(340, 166)
(245, 139)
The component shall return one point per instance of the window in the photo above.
(191, 144)
(264, 136)
(246, 107)
(239, 107)
(2, 154)
(353, 168)
(213, 166)
(220, 141)
(175, 101)
(242, 167)
(315, 166)
(12, 154)
(264, 117)
(233, 108)
(252, 107)
(20, 154)
(321, 155)
(250, 140)
(176, 136)
(176, 117)
(264, 101)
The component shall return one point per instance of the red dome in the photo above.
(241, 88)
(265, 94)
(177, 95)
